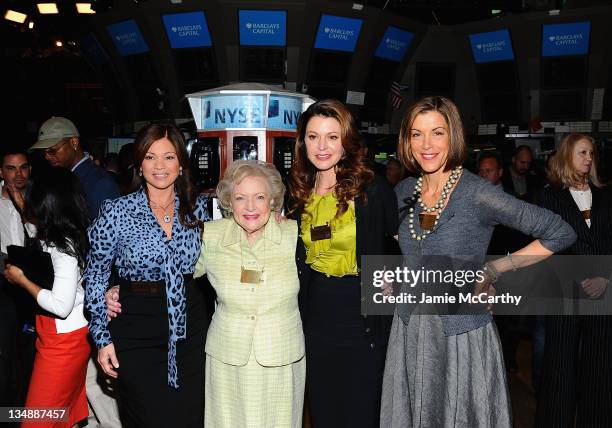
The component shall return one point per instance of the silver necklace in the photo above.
(166, 217)
(438, 206)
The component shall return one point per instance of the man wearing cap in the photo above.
(58, 138)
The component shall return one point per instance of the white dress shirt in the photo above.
(11, 229)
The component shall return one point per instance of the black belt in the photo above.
(150, 288)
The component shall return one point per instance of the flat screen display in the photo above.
(491, 46)
(566, 39)
(263, 27)
(394, 44)
(127, 37)
(338, 33)
(187, 30)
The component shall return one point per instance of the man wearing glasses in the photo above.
(58, 139)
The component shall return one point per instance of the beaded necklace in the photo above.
(437, 208)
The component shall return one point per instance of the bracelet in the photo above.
(512, 262)
(491, 272)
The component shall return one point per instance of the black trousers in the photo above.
(343, 369)
(576, 385)
(140, 336)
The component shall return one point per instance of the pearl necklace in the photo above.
(166, 217)
(438, 206)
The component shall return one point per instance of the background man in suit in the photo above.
(519, 180)
(59, 139)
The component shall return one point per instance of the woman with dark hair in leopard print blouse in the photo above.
(155, 348)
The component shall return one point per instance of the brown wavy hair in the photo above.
(183, 185)
(457, 151)
(352, 173)
(561, 171)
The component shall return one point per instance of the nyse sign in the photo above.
(248, 111)
(233, 111)
(283, 112)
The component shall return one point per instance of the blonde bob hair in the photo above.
(561, 170)
(450, 113)
(239, 170)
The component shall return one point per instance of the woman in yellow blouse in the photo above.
(255, 365)
(344, 212)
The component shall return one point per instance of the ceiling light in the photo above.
(31, 25)
(84, 8)
(19, 17)
(47, 8)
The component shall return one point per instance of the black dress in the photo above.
(345, 351)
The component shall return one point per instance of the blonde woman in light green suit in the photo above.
(255, 364)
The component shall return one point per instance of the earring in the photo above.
(181, 171)
(140, 173)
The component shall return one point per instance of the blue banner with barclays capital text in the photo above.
(262, 27)
(394, 44)
(566, 39)
(338, 33)
(187, 30)
(127, 38)
(491, 46)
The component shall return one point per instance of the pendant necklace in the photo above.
(430, 215)
(166, 217)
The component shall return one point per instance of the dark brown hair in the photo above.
(183, 186)
(448, 110)
(352, 173)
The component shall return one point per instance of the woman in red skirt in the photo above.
(55, 204)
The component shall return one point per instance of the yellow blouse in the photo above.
(335, 256)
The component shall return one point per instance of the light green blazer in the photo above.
(261, 317)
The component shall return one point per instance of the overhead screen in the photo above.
(394, 44)
(492, 46)
(263, 27)
(187, 30)
(338, 33)
(127, 38)
(566, 39)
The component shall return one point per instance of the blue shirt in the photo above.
(98, 185)
(127, 232)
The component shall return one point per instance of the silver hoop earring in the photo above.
(140, 173)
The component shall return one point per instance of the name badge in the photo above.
(586, 214)
(427, 221)
(249, 276)
(319, 233)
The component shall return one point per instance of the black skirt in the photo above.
(140, 336)
(344, 366)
